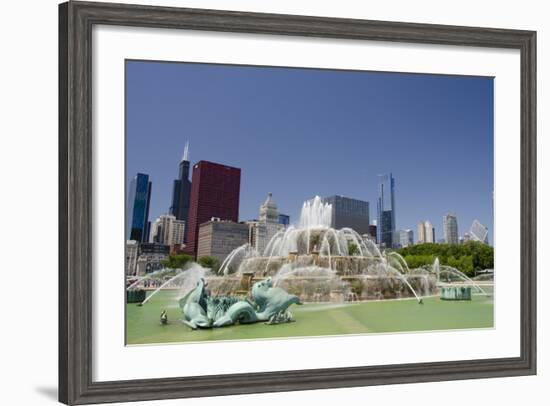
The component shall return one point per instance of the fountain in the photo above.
(318, 263)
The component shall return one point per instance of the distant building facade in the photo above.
(181, 189)
(450, 228)
(425, 232)
(166, 229)
(349, 212)
(150, 257)
(215, 190)
(132, 253)
(217, 238)
(386, 210)
(406, 238)
(137, 208)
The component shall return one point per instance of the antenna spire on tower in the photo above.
(186, 152)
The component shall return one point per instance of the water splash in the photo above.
(315, 214)
(244, 251)
(190, 277)
(149, 276)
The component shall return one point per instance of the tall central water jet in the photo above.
(315, 214)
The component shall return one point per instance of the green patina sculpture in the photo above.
(269, 304)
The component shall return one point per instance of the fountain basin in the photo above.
(456, 293)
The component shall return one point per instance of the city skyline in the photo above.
(335, 166)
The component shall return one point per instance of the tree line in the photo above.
(469, 257)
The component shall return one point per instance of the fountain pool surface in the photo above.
(314, 319)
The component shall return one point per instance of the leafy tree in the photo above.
(468, 258)
(416, 261)
(209, 262)
(177, 261)
(353, 249)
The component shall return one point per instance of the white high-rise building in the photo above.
(450, 228)
(177, 232)
(426, 232)
(167, 230)
(420, 233)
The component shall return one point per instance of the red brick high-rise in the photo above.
(215, 190)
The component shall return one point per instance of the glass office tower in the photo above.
(137, 210)
(348, 212)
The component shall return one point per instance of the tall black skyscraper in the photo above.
(182, 189)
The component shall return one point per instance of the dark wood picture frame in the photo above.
(76, 20)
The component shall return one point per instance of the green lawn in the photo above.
(143, 324)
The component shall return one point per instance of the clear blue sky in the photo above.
(303, 132)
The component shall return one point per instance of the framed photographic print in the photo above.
(258, 202)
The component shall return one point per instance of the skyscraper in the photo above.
(386, 210)
(348, 212)
(181, 190)
(426, 232)
(137, 208)
(478, 232)
(405, 238)
(215, 190)
(450, 228)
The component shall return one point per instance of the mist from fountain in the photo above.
(189, 276)
(245, 250)
(311, 272)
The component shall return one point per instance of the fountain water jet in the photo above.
(148, 276)
(192, 275)
(437, 269)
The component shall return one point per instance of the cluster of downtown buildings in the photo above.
(203, 219)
